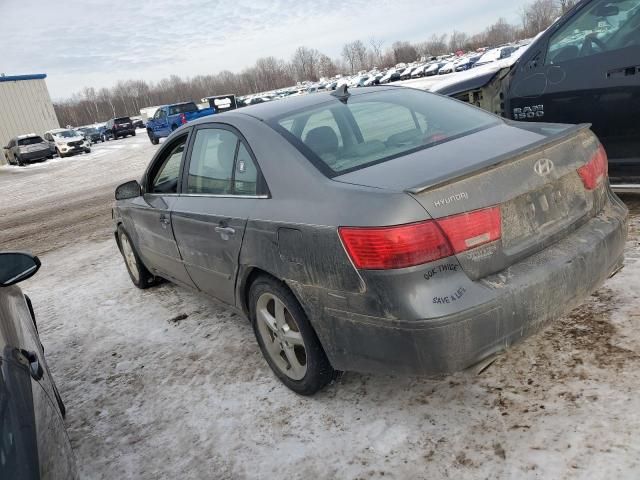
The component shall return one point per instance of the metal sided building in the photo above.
(25, 107)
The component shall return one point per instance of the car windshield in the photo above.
(30, 141)
(183, 108)
(341, 137)
(66, 134)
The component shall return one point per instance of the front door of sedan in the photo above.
(148, 218)
(221, 185)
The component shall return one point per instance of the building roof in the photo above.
(16, 78)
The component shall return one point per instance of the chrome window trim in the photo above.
(205, 195)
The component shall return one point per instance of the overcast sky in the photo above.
(81, 43)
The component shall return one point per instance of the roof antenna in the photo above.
(341, 93)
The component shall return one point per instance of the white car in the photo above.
(418, 72)
(447, 68)
(66, 141)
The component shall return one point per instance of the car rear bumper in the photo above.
(123, 132)
(35, 156)
(526, 297)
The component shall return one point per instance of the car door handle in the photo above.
(164, 219)
(35, 369)
(225, 231)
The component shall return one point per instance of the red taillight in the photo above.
(417, 243)
(395, 247)
(183, 118)
(594, 172)
(472, 229)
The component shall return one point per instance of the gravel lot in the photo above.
(166, 383)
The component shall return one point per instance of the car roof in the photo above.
(275, 108)
(58, 130)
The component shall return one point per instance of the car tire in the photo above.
(287, 341)
(104, 138)
(87, 150)
(140, 276)
(152, 138)
(60, 155)
(133, 134)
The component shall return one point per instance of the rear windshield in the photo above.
(122, 120)
(183, 108)
(376, 127)
(30, 140)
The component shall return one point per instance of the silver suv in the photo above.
(25, 149)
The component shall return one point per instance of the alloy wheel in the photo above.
(281, 336)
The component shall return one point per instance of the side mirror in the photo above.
(16, 267)
(131, 189)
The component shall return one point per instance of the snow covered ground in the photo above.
(165, 383)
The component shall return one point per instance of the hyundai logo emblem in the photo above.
(543, 167)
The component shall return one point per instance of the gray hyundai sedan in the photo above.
(381, 230)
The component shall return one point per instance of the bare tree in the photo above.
(376, 49)
(457, 41)
(404, 52)
(566, 5)
(538, 15)
(305, 63)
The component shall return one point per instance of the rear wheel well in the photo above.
(254, 274)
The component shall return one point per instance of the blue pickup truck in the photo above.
(169, 117)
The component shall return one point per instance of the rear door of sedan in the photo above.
(221, 184)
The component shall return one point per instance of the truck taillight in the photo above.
(183, 118)
(595, 172)
(400, 246)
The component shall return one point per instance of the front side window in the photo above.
(602, 26)
(221, 165)
(166, 179)
(376, 127)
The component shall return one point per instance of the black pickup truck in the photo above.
(585, 68)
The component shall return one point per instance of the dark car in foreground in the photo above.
(583, 68)
(120, 127)
(33, 441)
(25, 149)
(384, 230)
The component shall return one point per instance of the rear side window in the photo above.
(375, 127)
(184, 108)
(221, 165)
(211, 165)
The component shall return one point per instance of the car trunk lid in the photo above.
(536, 186)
